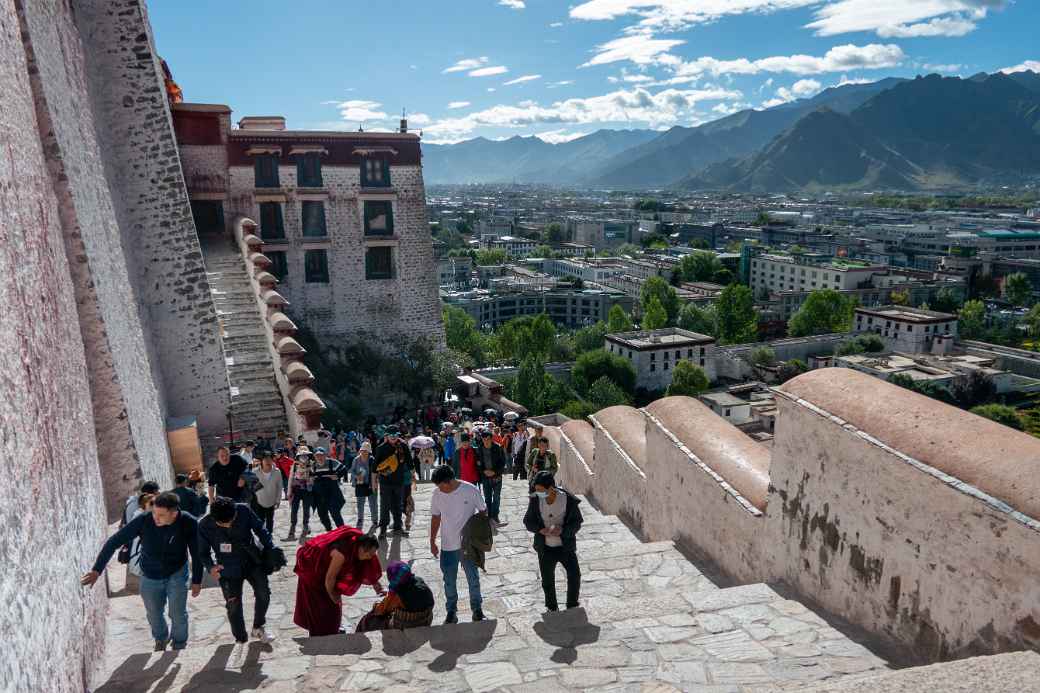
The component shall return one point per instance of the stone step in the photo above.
(1005, 673)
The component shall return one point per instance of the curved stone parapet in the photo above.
(259, 260)
(995, 459)
(287, 346)
(253, 241)
(731, 454)
(583, 437)
(266, 279)
(273, 299)
(298, 374)
(627, 427)
(281, 324)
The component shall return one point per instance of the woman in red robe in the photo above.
(328, 566)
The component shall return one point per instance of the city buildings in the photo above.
(907, 329)
(655, 353)
(567, 307)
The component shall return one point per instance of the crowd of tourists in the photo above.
(171, 539)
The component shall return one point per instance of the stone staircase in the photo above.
(256, 402)
(649, 621)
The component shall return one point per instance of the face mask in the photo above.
(542, 494)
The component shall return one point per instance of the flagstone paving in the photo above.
(649, 621)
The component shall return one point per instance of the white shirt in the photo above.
(552, 516)
(455, 509)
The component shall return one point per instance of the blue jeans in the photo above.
(156, 594)
(492, 487)
(450, 568)
(371, 501)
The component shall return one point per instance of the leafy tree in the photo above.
(723, 276)
(696, 319)
(605, 393)
(791, 369)
(461, 335)
(526, 336)
(544, 251)
(825, 311)
(903, 380)
(420, 369)
(946, 301)
(762, 356)
(1032, 321)
(865, 343)
(972, 390)
(553, 234)
(646, 205)
(577, 409)
(593, 365)
(665, 294)
(629, 249)
(464, 227)
(492, 257)
(736, 317)
(971, 319)
(1017, 289)
(699, 266)
(530, 381)
(688, 379)
(761, 220)
(1001, 413)
(589, 338)
(734, 246)
(700, 244)
(654, 315)
(618, 320)
(900, 298)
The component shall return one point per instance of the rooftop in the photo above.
(907, 314)
(656, 339)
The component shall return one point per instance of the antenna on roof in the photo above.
(360, 127)
(404, 121)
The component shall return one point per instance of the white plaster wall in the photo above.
(886, 545)
(619, 485)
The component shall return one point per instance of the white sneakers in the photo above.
(262, 634)
(238, 656)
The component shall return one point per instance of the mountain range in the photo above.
(925, 133)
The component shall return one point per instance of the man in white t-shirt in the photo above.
(454, 503)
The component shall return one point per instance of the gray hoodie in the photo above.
(270, 493)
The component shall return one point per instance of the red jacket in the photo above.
(284, 464)
(468, 465)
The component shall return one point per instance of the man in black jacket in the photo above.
(327, 495)
(168, 536)
(394, 472)
(554, 517)
(491, 464)
(228, 532)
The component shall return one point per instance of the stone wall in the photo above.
(151, 207)
(128, 405)
(52, 510)
(905, 516)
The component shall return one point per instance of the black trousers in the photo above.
(266, 516)
(391, 501)
(326, 502)
(232, 589)
(300, 497)
(548, 557)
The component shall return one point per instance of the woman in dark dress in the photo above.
(408, 603)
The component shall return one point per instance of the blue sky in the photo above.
(496, 68)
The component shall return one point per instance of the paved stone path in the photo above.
(649, 621)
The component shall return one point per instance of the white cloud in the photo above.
(943, 68)
(466, 64)
(848, 57)
(901, 18)
(641, 49)
(488, 71)
(513, 4)
(419, 119)
(360, 110)
(556, 25)
(845, 79)
(524, 78)
(801, 89)
(637, 106)
(491, 89)
(559, 136)
(458, 104)
(561, 83)
(1033, 65)
(676, 15)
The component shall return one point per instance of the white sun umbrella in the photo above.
(511, 416)
(421, 442)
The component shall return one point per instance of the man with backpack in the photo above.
(228, 532)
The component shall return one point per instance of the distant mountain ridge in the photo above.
(928, 133)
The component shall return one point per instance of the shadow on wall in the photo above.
(878, 504)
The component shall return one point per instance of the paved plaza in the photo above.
(649, 621)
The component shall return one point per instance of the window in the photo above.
(265, 168)
(308, 170)
(208, 216)
(379, 262)
(316, 266)
(271, 225)
(279, 268)
(689, 353)
(653, 367)
(379, 218)
(375, 173)
(313, 218)
(666, 366)
(653, 357)
(678, 355)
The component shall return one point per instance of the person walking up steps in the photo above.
(269, 495)
(555, 519)
(362, 478)
(300, 492)
(454, 502)
(491, 461)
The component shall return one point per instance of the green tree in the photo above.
(461, 335)
(699, 266)
(577, 409)
(1017, 289)
(654, 315)
(737, 319)
(593, 365)
(971, 319)
(605, 393)
(1032, 321)
(696, 319)
(761, 220)
(419, 370)
(972, 390)
(589, 338)
(723, 276)
(790, 369)
(530, 382)
(688, 379)
(1001, 413)
(553, 234)
(526, 336)
(491, 257)
(657, 287)
(630, 249)
(762, 357)
(946, 301)
(865, 343)
(825, 311)
(544, 252)
(618, 320)
(900, 298)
